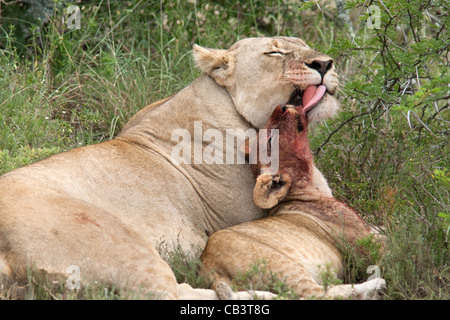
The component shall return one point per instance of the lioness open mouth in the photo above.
(308, 98)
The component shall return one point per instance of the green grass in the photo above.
(260, 277)
(186, 265)
(41, 286)
(386, 154)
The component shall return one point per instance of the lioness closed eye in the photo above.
(105, 207)
(304, 228)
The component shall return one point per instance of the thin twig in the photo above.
(316, 152)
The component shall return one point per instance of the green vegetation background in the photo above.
(386, 154)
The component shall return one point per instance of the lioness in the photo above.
(299, 240)
(105, 207)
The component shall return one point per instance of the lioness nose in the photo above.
(320, 66)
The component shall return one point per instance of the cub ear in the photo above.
(217, 63)
(271, 189)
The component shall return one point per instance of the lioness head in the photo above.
(260, 73)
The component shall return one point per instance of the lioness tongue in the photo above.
(312, 95)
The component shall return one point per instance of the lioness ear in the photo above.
(270, 189)
(217, 63)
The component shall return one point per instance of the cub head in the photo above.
(295, 163)
(260, 73)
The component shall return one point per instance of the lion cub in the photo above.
(299, 239)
